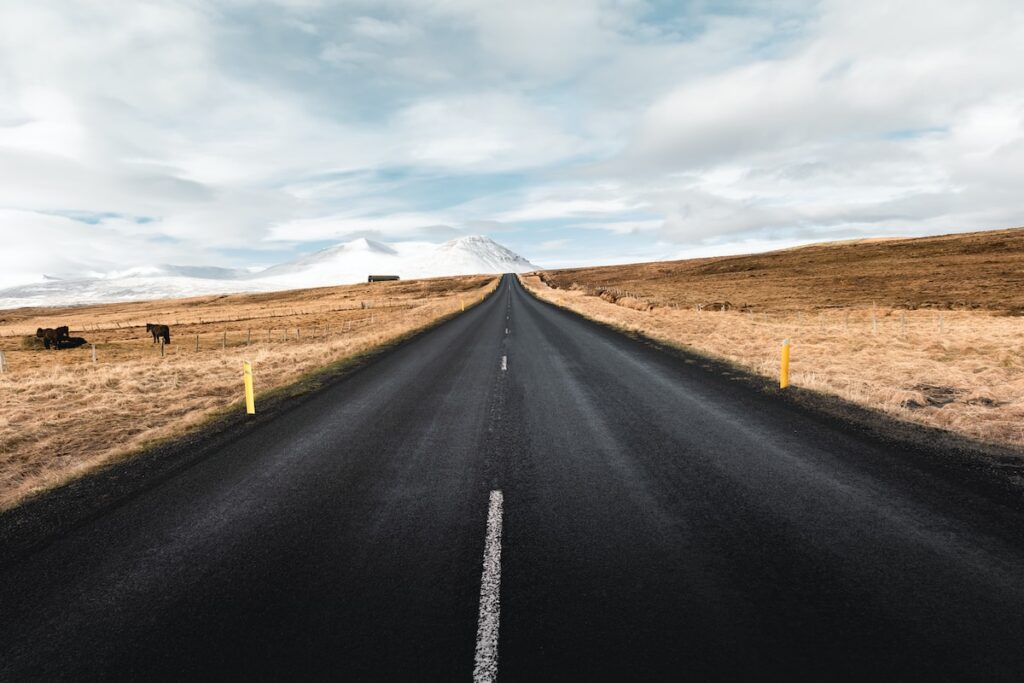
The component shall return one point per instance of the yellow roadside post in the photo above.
(250, 401)
(784, 370)
(463, 305)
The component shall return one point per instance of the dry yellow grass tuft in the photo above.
(61, 415)
(941, 346)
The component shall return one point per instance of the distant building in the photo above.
(381, 278)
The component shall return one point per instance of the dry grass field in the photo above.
(62, 415)
(928, 330)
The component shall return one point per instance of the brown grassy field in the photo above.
(927, 330)
(62, 415)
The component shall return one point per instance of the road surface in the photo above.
(522, 493)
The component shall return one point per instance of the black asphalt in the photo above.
(662, 521)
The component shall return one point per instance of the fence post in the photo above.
(224, 341)
(197, 342)
(248, 337)
(3, 362)
(250, 403)
(93, 354)
(784, 368)
(161, 348)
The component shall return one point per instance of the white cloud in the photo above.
(395, 225)
(578, 202)
(384, 31)
(496, 131)
(890, 119)
(195, 130)
(35, 244)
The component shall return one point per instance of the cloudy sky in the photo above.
(241, 133)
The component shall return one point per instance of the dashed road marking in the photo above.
(504, 362)
(486, 660)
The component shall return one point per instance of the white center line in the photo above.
(486, 667)
(504, 362)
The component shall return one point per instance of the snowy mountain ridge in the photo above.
(340, 264)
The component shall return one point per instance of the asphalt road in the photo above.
(657, 520)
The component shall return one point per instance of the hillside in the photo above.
(922, 329)
(980, 270)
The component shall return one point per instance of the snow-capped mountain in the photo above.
(345, 263)
(468, 255)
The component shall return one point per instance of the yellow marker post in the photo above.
(463, 305)
(784, 370)
(250, 401)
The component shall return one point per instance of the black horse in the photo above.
(159, 331)
(52, 336)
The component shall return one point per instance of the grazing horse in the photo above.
(159, 331)
(52, 336)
